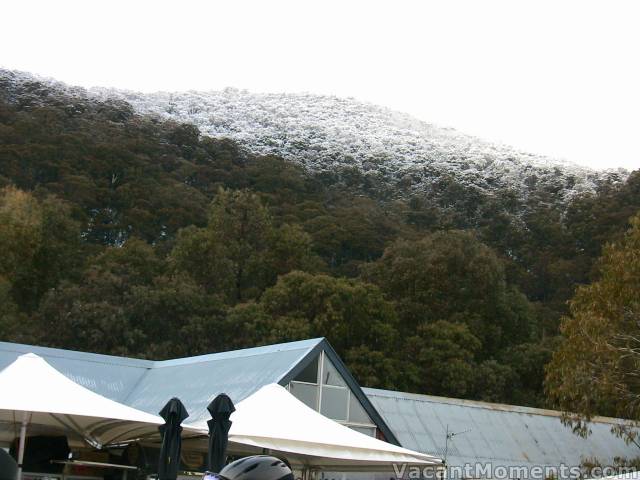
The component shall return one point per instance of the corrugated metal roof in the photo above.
(148, 385)
(502, 435)
(197, 380)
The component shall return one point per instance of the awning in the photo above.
(274, 419)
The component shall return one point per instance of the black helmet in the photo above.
(258, 467)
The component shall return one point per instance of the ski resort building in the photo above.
(482, 435)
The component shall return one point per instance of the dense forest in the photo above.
(128, 235)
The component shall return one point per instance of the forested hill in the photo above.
(392, 152)
(137, 235)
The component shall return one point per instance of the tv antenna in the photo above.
(449, 436)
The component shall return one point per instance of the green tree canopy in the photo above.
(595, 370)
(127, 303)
(349, 312)
(353, 315)
(453, 276)
(445, 354)
(241, 252)
(40, 244)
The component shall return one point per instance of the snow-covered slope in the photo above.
(325, 133)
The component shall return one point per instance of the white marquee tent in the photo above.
(274, 419)
(37, 395)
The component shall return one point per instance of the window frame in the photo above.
(322, 357)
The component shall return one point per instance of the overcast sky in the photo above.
(558, 77)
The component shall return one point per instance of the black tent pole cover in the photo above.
(173, 413)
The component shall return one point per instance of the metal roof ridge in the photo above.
(243, 352)
(77, 355)
(21, 348)
(504, 407)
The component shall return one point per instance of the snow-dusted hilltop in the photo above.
(327, 133)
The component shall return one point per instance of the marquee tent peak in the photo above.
(274, 419)
(34, 393)
(31, 385)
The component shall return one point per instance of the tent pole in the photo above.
(23, 435)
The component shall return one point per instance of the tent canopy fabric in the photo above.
(30, 385)
(274, 419)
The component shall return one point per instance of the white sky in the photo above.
(558, 77)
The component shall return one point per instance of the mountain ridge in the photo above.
(329, 134)
(323, 133)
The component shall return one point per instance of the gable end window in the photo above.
(320, 386)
